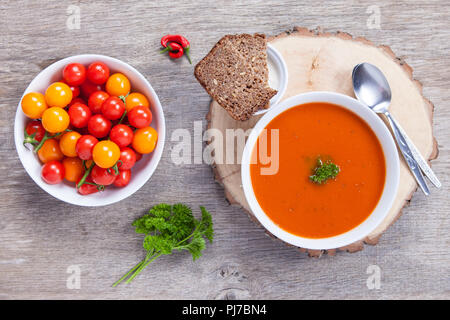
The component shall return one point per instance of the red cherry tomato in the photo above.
(98, 72)
(75, 91)
(138, 156)
(128, 158)
(84, 146)
(36, 127)
(96, 100)
(74, 74)
(87, 188)
(140, 117)
(123, 179)
(113, 108)
(53, 172)
(121, 135)
(88, 88)
(79, 114)
(76, 100)
(103, 176)
(99, 126)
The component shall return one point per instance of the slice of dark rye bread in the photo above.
(235, 74)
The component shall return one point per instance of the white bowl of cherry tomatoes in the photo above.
(90, 130)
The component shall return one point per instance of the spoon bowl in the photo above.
(371, 87)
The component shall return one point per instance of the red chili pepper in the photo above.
(165, 40)
(175, 50)
(179, 40)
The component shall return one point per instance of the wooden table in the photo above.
(41, 238)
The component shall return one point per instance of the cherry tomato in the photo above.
(103, 176)
(87, 188)
(34, 105)
(128, 158)
(121, 135)
(50, 151)
(113, 108)
(98, 72)
(96, 100)
(76, 100)
(140, 117)
(36, 127)
(52, 172)
(138, 156)
(118, 85)
(99, 126)
(85, 146)
(74, 74)
(105, 154)
(73, 168)
(83, 131)
(68, 142)
(75, 91)
(136, 99)
(88, 88)
(123, 178)
(144, 140)
(58, 94)
(79, 114)
(55, 119)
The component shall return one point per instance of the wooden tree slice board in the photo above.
(318, 61)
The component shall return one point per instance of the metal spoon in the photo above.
(371, 88)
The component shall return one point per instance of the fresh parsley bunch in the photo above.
(168, 228)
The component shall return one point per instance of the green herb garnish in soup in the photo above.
(324, 171)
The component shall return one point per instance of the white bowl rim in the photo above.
(390, 187)
(121, 193)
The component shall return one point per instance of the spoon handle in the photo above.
(418, 157)
(407, 154)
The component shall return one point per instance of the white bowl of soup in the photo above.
(289, 173)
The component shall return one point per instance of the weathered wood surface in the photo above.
(40, 237)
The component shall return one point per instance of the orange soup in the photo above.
(328, 132)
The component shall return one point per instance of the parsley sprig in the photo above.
(324, 171)
(168, 228)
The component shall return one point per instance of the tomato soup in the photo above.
(325, 131)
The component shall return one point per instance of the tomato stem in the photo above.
(46, 137)
(86, 174)
(30, 138)
(123, 117)
(100, 187)
(116, 168)
(123, 98)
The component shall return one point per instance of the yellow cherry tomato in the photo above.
(50, 151)
(118, 85)
(55, 120)
(136, 99)
(68, 142)
(73, 168)
(106, 154)
(144, 140)
(33, 105)
(58, 94)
